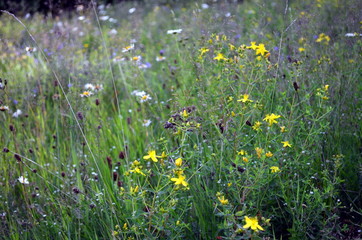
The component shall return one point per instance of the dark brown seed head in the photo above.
(241, 169)
(122, 155)
(109, 161)
(76, 190)
(119, 183)
(115, 176)
(17, 157)
(80, 115)
(295, 85)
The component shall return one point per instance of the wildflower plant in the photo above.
(122, 128)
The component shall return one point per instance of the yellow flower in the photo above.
(323, 37)
(134, 190)
(282, 129)
(258, 151)
(125, 227)
(230, 184)
(219, 57)
(203, 51)
(223, 201)
(256, 126)
(163, 155)
(252, 223)
(178, 171)
(180, 180)
(245, 98)
(261, 50)
(245, 159)
(242, 152)
(271, 118)
(301, 49)
(326, 87)
(136, 163)
(152, 155)
(185, 114)
(252, 46)
(231, 47)
(286, 144)
(269, 154)
(137, 170)
(178, 162)
(274, 169)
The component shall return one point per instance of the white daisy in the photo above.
(4, 108)
(146, 122)
(89, 86)
(128, 48)
(23, 180)
(86, 94)
(160, 58)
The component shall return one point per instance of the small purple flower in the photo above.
(237, 36)
(315, 36)
(70, 85)
(15, 101)
(276, 48)
(60, 47)
(162, 52)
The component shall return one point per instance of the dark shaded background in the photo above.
(53, 8)
(50, 7)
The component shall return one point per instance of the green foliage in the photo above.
(245, 124)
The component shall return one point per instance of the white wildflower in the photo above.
(146, 122)
(89, 86)
(17, 113)
(128, 48)
(23, 180)
(4, 108)
(160, 58)
(176, 31)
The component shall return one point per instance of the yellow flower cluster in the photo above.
(259, 49)
(180, 179)
(323, 92)
(323, 38)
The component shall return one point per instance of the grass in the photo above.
(201, 134)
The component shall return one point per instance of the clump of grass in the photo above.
(238, 124)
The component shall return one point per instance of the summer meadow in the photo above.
(182, 120)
